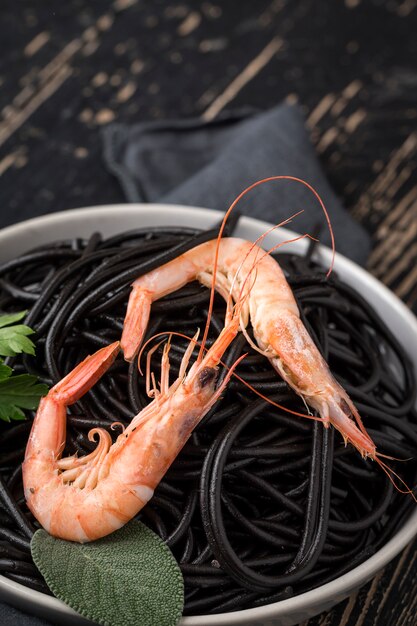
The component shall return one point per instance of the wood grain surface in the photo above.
(68, 69)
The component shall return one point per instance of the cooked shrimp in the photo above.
(275, 318)
(82, 499)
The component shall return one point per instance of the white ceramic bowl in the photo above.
(113, 219)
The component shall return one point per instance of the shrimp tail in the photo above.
(136, 321)
(49, 425)
(83, 377)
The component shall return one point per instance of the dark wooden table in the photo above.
(68, 69)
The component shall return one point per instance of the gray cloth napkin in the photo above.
(207, 164)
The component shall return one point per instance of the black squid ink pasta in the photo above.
(260, 505)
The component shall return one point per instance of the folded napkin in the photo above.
(207, 164)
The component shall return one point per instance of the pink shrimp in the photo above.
(82, 499)
(271, 307)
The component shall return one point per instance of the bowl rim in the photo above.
(203, 217)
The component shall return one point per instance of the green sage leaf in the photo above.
(129, 578)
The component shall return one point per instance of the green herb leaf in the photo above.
(5, 371)
(19, 392)
(14, 339)
(10, 412)
(11, 318)
(127, 578)
(23, 391)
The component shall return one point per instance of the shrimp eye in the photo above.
(206, 376)
(345, 408)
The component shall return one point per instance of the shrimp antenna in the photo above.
(393, 475)
(223, 225)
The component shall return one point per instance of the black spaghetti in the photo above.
(260, 505)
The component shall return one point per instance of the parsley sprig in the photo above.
(21, 391)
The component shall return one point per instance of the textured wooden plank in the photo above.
(242, 79)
